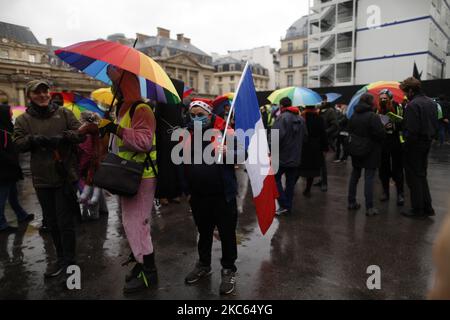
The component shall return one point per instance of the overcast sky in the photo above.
(213, 26)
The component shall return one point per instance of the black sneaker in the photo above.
(142, 281)
(28, 218)
(372, 212)
(199, 272)
(354, 206)
(134, 272)
(55, 271)
(281, 211)
(228, 281)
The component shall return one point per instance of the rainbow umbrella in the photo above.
(374, 89)
(17, 111)
(94, 57)
(300, 96)
(103, 96)
(77, 104)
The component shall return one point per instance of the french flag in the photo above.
(247, 116)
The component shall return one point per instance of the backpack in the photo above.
(359, 146)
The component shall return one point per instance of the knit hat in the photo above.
(205, 104)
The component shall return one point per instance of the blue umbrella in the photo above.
(332, 97)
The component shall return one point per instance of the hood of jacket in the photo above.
(363, 107)
(42, 112)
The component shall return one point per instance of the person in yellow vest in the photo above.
(134, 138)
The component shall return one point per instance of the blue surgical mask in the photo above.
(204, 119)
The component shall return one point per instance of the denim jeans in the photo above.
(286, 194)
(8, 192)
(369, 180)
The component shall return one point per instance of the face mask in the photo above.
(204, 119)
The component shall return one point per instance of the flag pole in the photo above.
(219, 160)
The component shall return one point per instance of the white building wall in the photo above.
(389, 69)
(390, 11)
(420, 36)
(261, 55)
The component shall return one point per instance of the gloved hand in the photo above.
(39, 140)
(55, 141)
(108, 126)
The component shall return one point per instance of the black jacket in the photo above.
(203, 179)
(9, 157)
(329, 115)
(421, 120)
(365, 123)
(292, 131)
(314, 146)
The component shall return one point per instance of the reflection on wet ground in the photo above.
(321, 251)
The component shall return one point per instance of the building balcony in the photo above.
(299, 49)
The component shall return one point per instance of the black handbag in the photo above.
(119, 176)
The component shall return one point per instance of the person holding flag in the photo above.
(213, 190)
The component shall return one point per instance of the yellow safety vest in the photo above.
(124, 153)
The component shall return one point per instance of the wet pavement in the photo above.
(320, 251)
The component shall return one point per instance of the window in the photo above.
(231, 78)
(232, 67)
(4, 54)
(232, 87)
(220, 79)
(305, 44)
(32, 58)
(191, 82)
(290, 47)
(304, 80)
(220, 89)
(207, 84)
(290, 80)
(220, 68)
(290, 61)
(305, 59)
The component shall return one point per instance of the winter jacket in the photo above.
(50, 122)
(314, 146)
(421, 120)
(211, 179)
(365, 123)
(292, 132)
(9, 157)
(329, 116)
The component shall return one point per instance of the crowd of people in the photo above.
(392, 138)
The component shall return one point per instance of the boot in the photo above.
(147, 276)
(400, 199)
(385, 196)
